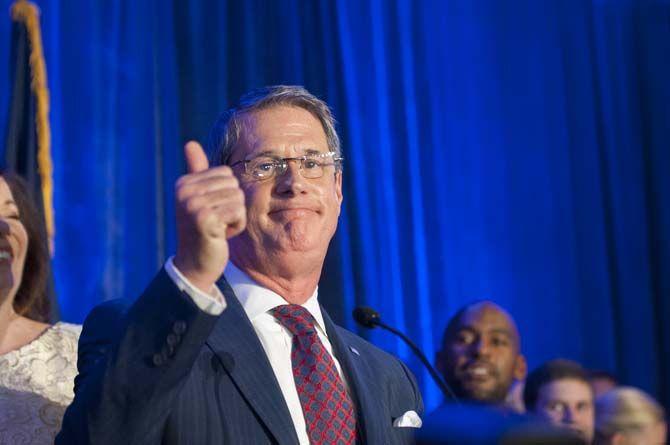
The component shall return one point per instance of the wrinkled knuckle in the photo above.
(201, 216)
(191, 205)
(239, 195)
(181, 182)
(179, 190)
(181, 193)
(242, 214)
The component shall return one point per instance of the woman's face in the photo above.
(13, 242)
(655, 434)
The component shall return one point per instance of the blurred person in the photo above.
(481, 354)
(629, 416)
(601, 382)
(37, 359)
(559, 392)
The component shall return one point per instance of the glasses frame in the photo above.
(281, 164)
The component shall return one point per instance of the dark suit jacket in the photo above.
(163, 371)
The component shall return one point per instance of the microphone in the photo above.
(366, 316)
(369, 318)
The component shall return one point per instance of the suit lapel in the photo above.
(236, 344)
(369, 406)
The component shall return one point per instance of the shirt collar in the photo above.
(258, 300)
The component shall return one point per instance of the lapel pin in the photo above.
(354, 350)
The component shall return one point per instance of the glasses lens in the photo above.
(312, 166)
(262, 168)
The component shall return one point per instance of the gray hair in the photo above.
(625, 410)
(227, 129)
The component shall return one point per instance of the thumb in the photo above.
(196, 159)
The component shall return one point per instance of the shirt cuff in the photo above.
(212, 303)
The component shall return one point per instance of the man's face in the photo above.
(480, 358)
(289, 217)
(569, 403)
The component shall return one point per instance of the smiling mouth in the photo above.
(575, 429)
(478, 373)
(293, 211)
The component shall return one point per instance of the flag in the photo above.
(28, 137)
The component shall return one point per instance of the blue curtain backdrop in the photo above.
(512, 150)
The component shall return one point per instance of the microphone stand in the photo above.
(448, 393)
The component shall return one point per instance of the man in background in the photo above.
(559, 392)
(482, 362)
(481, 354)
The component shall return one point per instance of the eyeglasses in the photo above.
(311, 165)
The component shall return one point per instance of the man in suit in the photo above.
(228, 344)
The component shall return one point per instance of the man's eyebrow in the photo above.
(273, 154)
(268, 153)
(461, 328)
(503, 331)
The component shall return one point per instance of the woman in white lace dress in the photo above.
(37, 360)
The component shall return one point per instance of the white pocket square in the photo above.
(408, 420)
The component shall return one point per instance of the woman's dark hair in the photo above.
(31, 298)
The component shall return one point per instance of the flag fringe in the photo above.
(28, 13)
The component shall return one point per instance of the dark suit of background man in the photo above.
(248, 357)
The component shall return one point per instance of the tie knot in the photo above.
(295, 318)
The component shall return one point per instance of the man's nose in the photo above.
(568, 415)
(481, 348)
(291, 180)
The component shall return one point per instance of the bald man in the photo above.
(481, 354)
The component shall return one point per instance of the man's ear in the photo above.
(520, 367)
(338, 185)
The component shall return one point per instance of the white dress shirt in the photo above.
(276, 340)
(212, 303)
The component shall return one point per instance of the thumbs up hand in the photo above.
(210, 209)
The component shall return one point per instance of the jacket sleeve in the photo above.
(132, 364)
